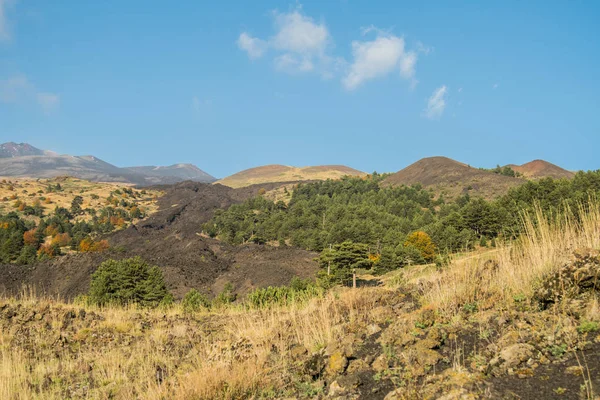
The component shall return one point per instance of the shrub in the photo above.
(588, 326)
(298, 290)
(225, 297)
(130, 281)
(194, 301)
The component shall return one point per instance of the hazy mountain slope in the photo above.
(25, 161)
(538, 169)
(452, 178)
(181, 171)
(89, 168)
(283, 173)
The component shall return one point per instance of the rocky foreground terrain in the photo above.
(384, 342)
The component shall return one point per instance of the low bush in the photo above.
(299, 290)
(194, 301)
(130, 281)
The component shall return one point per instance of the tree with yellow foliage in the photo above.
(422, 242)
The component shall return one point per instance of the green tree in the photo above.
(128, 281)
(338, 263)
(76, 205)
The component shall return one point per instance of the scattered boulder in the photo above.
(571, 280)
(426, 318)
(337, 363)
(381, 363)
(344, 386)
(314, 366)
(373, 329)
(511, 357)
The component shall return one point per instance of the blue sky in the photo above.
(373, 85)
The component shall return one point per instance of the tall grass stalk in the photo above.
(494, 279)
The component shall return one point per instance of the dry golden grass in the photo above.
(30, 190)
(283, 173)
(547, 244)
(236, 353)
(227, 355)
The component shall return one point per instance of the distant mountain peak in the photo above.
(12, 149)
(537, 169)
(452, 177)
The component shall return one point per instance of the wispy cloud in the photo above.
(255, 47)
(421, 48)
(460, 90)
(436, 103)
(299, 42)
(17, 89)
(13, 89)
(495, 86)
(4, 29)
(198, 105)
(48, 101)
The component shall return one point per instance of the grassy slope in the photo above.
(282, 173)
(429, 333)
(26, 190)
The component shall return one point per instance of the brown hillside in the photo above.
(172, 239)
(283, 173)
(538, 169)
(452, 178)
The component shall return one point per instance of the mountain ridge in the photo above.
(452, 178)
(26, 161)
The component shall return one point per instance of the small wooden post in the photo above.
(354, 278)
(329, 264)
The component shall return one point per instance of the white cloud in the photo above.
(373, 59)
(299, 34)
(436, 103)
(255, 47)
(48, 101)
(300, 43)
(19, 90)
(377, 58)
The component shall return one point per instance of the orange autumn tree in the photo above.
(87, 245)
(29, 237)
(422, 242)
(61, 239)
